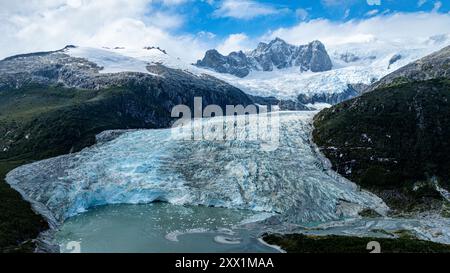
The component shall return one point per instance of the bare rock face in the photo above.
(319, 61)
(266, 57)
(394, 59)
(349, 57)
(236, 63)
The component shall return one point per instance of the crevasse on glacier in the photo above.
(150, 165)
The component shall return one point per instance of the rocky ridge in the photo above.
(276, 54)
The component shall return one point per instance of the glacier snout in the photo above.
(154, 165)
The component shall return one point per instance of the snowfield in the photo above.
(289, 83)
(129, 60)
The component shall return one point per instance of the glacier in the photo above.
(292, 181)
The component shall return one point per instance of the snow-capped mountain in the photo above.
(433, 66)
(354, 66)
(266, 57)
(120, 59)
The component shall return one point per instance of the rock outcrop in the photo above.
(266, 57)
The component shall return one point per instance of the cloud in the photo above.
(421, 3)
(347, 3)
(235, 42)
(302, 14)
(374, 2)
(393, 28)
(244, 9)
(347, 13)
(51, 24)
(165, 20)
(330, 2)
(342, 3)
(372, 12)
(173, 2)
(437, 6)
(206, 34)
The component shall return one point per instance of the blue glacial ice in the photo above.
(143, 166)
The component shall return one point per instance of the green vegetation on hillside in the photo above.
(18, 223)
(41, 122)
(394, 141)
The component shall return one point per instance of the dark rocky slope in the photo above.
(395, 140)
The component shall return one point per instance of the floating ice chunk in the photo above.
(227, 240)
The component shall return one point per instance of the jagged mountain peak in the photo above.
(278, 40)
(276, 44)
(277, 54)
(317, 44)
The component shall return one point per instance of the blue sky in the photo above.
(257, 17)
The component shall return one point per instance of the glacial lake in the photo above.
(161, 228)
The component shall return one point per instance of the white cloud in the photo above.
(164, 20)
(342, 3)
(206, 34)
(347, 13)
(302, 14)
(437, 6)
(235, 42)
(346, 3)
(330, 2)
(33, 25)
(173, 2)
(74, 3)
(244, 9)
(395, 28)
(421, 3)
(372, 12)
(374, 2)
